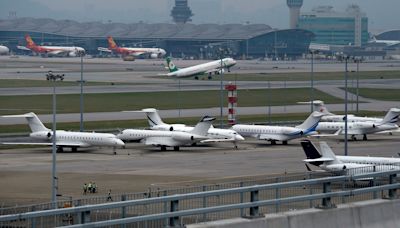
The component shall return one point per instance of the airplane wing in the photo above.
(104, 49)
(57, 52)
(327, 135)
(272, 137)
(23, 48)
(158, 141)
(216, 140)
(67, 144)
(388, 131)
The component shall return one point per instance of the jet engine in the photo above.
(366, 125)
(154, 56)
(182, 136)
(72, 54)
(220, 71)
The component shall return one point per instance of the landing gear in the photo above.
(74, 149)
(365, 137)
(196, 77)
(209, 77)
(163, 148)
(273, 142)
(353, 137)
(176, 148)
(284, 142)
(60, 149)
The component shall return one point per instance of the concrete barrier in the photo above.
(366, 214)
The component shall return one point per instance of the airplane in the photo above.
(70, 51)
(69, 139)
(214, 134)
(4, 50)
(200, 69)
(331, 117)
(129, 51)
(387, 42)
(166, 139)
(280, 133)
(387, 124)
(330, 162)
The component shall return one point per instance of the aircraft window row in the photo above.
(79, 138)
(260, 131)
(337, 127)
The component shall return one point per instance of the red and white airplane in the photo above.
(129, 51)
(71, 51)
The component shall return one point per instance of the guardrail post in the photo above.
(241, 200)
(204, 203)
(123, 210)
(392, 192)
(326, 201)
(254, 211)
(174, 221)
(33, 220)
(85, 217)
(166, 221)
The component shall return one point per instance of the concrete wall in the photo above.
(367, 214)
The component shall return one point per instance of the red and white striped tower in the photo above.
(232, 103)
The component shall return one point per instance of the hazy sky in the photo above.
(271, 12)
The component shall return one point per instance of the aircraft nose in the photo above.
(239, 137)
(119, 142)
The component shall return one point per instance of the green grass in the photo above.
(304, 76)
(15, 83)
(142, 123)
(378, 94)
(109, 102)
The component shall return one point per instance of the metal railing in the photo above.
(188, 208)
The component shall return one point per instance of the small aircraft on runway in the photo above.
(70, 139)
(166, 139)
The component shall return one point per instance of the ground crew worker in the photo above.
(90, 187)
(94, 187)
(109, 196)
(85, 188)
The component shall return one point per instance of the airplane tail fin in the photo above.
(153, 117)
(34, 122)
(311, 152)
(319, 106)
(392, 116)
(311, 122)
(29, 41)
(111, 43)
(202, 127)
(328, 153)
(171, 65)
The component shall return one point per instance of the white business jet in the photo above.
(364, 128)
(214, 134)
(69, 139)
(330, 162)
(166, 139)
(320, 107)
(280, 133)
(214, 67)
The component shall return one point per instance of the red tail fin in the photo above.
(29, 41)
(111, 43)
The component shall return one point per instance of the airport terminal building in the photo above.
(198, 41)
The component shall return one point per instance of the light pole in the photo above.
(54, 184)
(346, 58)
(81, 97)
(357, 91)
(221, 89)
(312, 80)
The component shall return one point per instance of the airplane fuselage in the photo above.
(354, 128)
(279, 133)
(210, 67)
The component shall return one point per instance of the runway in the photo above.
(139, 167)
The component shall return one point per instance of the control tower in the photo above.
(181, 12)
(294, 7)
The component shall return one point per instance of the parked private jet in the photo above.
(130, 51)
(70, 139)
(166, 139)
(4, 50)
(70, 51)
(320, 107)
(213, 134)
(280, 133)
(387, 124)
(330, 162)
(214, 67)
